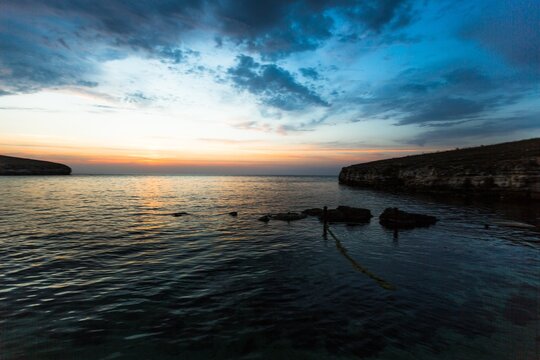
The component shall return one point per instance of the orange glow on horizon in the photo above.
(226, 156)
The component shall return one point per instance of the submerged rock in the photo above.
(178, 214)
(396, 219)
(346, 214)
(288, 216)
(313, 212)
(353, 214)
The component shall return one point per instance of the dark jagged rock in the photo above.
(288, 216)
(346, 214)
(502, 170)
(18, 166)
(396, 219)
(264, 218)
(357, 213)
(178, 214)
(313, 212)
(233, 213)
(349, 214)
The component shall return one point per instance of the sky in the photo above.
(263, 87)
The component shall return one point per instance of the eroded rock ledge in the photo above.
(18, 166)
(502, 170)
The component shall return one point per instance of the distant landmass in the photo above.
(19, 166)
(507, 169)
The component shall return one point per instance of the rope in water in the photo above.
(382, 283)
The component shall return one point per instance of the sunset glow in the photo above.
(238, 91)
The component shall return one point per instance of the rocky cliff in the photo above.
(508, 169)
(19, 166)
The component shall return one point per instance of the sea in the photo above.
(96, 267)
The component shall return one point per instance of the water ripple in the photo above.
(96, 267)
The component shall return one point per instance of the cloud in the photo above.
(87, 83)
(229, 141)
(467, 79)
(376, 14)
(443, 109)
(444, 95)
(272, 85)
(55, 43)
(174, 55)
(510, 28)
(253, 125)
(277, 28)
(138, 97)
(32, 59)
(482, 129)
(58, 43)
(310, 73)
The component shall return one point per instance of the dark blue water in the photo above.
(92, 267)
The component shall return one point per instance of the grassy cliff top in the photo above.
(480, 156)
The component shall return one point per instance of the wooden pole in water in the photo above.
(325, 220)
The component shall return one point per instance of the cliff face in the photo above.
(509, 169)
(19, 166)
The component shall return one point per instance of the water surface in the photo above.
(94, 267)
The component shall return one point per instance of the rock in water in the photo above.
(355, 214)
(233, 213)
(347, 214)
(18, 166)
(313, 212)
(288, 216)
(264, 218)
(178, 214)
(396, 219)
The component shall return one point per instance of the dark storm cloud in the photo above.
(31, 59)
(50, 43)
(272, 85)
(376, 14)
(276, 28)
(141, 24)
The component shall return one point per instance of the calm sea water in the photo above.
(93, 267)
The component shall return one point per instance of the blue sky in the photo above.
(263, 86)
